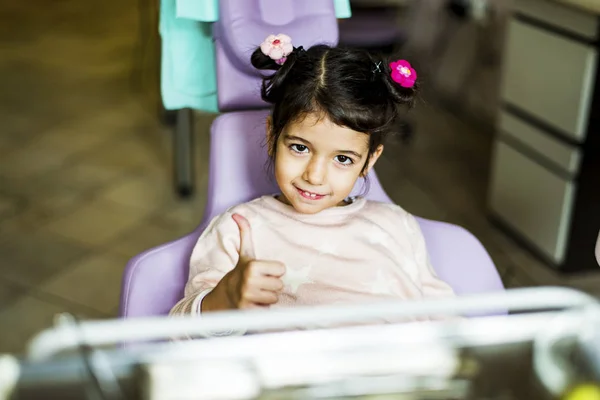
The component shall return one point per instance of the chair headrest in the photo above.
(244, 25)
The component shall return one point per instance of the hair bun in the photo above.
(277, 47)
(400, 79)
(403, 73)
(277, 54)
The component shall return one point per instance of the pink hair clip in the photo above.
(403, 73)
(278, 47)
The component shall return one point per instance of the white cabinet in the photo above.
(564, 157)
(544, 184)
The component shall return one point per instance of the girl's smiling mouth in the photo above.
(309, 195)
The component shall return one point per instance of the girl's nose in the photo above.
(315, 172)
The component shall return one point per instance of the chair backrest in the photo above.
(241, 28)
(154, 280)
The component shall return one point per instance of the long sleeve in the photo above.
(215, 254)
(431, 284)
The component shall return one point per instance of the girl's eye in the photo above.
(299, 148)
(345, 160)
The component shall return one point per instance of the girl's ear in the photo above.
(270, 137)
(372, 160)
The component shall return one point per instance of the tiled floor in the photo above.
(85, 167)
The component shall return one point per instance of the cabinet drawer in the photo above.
(532, 200)
(562, 155)
(550, 77)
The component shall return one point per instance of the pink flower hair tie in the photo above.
(403, 73)
(277, 47)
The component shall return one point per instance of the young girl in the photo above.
(312, 244)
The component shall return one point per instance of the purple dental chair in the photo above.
(154, 280)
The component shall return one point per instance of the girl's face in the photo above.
(317, 163)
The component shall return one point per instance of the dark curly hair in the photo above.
(351, 87)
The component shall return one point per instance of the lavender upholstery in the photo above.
(243, 25)
(154, 280)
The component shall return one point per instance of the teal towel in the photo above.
(200, 10)
(188, 75)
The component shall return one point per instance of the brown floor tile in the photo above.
(181, 220)
(10, 292)
(94, 282)
(142, 237)
(15, 188)
(96, 223)
(184, 215)
(33, 258)
(141, 192)
(71, 138)
(533, 270)
(29, 162)
(20, 128)
(130, 154)
(28, 317)
(36, 211)
(83, 177)
(8, 206)
(57, 203)
(416, 201)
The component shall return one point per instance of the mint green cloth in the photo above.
(188, 75)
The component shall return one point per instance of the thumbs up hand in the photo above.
(252, 283)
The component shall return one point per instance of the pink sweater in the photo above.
(365, 251)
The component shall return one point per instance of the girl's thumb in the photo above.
(246, 243)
